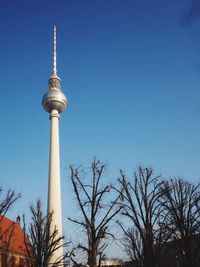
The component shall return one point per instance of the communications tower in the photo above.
(54, 102)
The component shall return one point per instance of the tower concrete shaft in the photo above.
(54, 187)
(54, 102)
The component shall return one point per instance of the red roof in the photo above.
(12, 235)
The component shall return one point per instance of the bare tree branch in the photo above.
(6, 200)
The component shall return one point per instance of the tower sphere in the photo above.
(54, 99)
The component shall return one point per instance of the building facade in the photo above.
(12, 245)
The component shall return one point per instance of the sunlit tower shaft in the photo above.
(54, 102)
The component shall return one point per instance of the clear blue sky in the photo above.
(131, 72)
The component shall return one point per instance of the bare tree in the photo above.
(181, 203)
(41, 243)
(96, 213)
(145, 240)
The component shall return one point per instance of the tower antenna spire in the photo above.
(54, 51)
